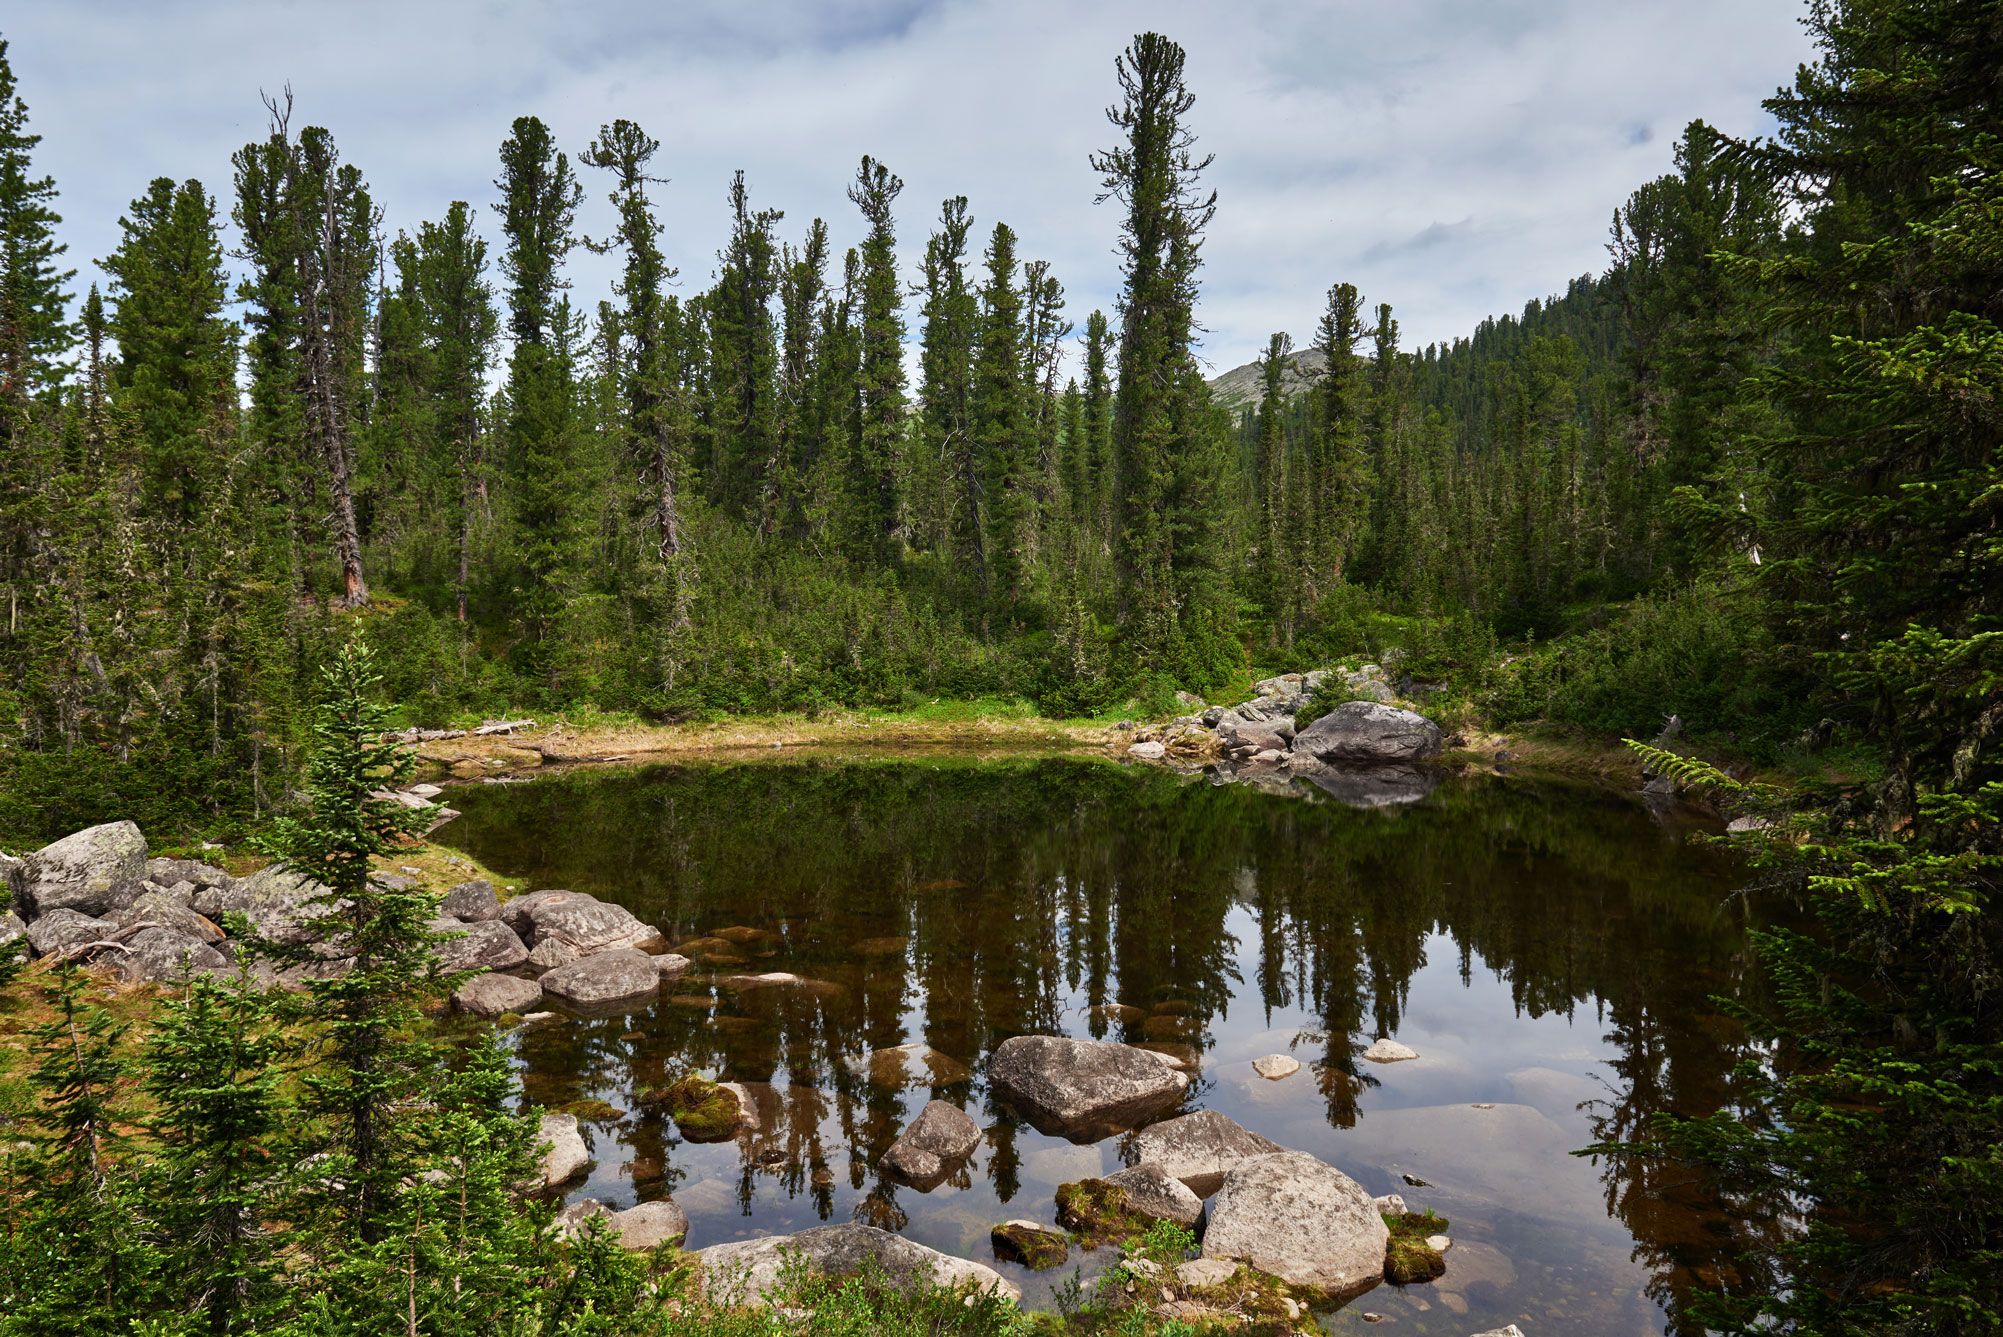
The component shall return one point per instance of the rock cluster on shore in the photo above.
(1366, 752)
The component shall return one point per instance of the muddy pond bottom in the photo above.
(1548, 951)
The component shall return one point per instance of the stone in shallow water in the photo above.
(1082, 1089)
(1200, 1148)
(881, 946)
(1274, 1067)
(651, 1224)
(607, 979)
(567, 1155)
(482, 945)
(1387, 1050)
(492, 995)
(1155, 1193)
(1031, 1243)
(1300, 1219)
(937, 1143)
(751, 1270)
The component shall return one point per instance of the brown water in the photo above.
(1549, 951)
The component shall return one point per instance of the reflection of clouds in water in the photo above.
(1497, 928)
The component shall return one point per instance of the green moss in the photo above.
(593, 1110)
(507, 1021)
(1408, 1259)
(702, 1110)
(1096, 1212)
(1032, 1246)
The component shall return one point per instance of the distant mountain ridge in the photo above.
(1241, 387)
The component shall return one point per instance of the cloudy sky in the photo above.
(1452, 157)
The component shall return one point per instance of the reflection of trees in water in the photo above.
(1022, 887)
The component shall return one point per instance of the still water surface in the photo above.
(1550, 951)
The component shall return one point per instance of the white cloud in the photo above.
(1454, 158)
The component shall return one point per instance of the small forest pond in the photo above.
(1550, 951)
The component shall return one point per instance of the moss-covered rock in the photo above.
(1097, 1212)
(702, 1110)
(1034, 1246)
(1408, 1259)
(593, 1110)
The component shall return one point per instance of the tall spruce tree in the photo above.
(540, 194)
(1000, 425)
(460, 325)
(951, 323)
(879, 525)
(1341, 483)
(176, 349)
(1172, 601)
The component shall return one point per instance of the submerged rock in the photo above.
(1200, 1148)
(1034, 1245)
(750, 1271)
(1369, 732)
(911, 1065)
(936, 1144)
(1082, 1089)
(1299, 1219)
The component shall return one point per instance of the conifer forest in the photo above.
(289, 485)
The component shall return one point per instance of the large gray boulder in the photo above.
(95, 871)
(473, 902)
(936, 1144)
(1300, 1219)
(58, 932)
(492, 995)
(278, 901)
(1200, 1148)
(159, 909)
(565, 1154)
(588, 925)
(485, 945)
(1083, 1089)
(515, 912)
(1153, 1192)
(750, 1271)
(605, 980)
(1368, 733)
(162, 955)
